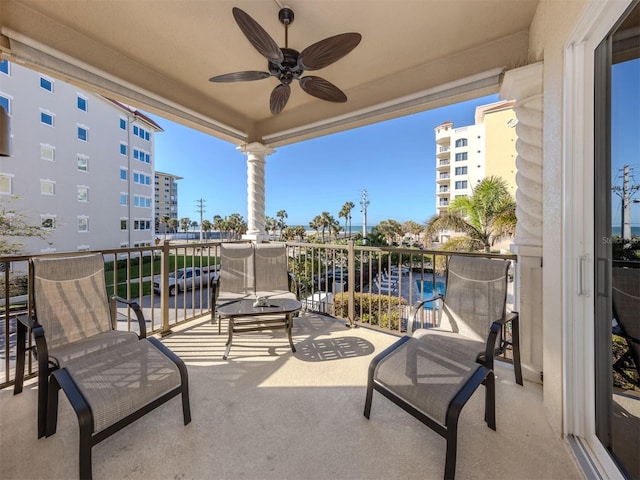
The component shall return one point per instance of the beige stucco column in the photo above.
(256, 160)
(524, 85)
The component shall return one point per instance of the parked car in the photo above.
(186, 279)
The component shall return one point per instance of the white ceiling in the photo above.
(159, 55)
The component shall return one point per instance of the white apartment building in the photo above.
(81, 165)
(166, 199)
(465, 155)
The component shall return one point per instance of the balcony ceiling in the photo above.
(158, 56)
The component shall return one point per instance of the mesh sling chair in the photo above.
(236, 279)
(626, 311)
(73, 319)
(110, 377)
(433, 373)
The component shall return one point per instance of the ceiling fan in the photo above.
(287, 64)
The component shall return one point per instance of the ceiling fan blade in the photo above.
(247, 76)
(327, 51)
(258, 37)
(279, 98)
(322, 89)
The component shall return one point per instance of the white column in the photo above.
(256, 160)
(524, 85)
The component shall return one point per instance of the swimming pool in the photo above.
(425, 287)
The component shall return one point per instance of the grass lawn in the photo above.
(125, 272)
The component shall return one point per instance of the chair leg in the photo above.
(52, 406)
(490, 400)
(289, 328)
(368, 399)
(452, 448)
(43, 398)
(229, 339)
(515, 342)
(20, 354)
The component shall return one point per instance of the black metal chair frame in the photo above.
(449, 430)
(62, 379)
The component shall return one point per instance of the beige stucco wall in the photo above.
(500, 147)
(554, 22)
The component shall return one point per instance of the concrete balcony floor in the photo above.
(268, 413)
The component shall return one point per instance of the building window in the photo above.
(124, 223)
(4, 67)
(48, 222)
(141, 178)
(461, 185)
(5, 103)
(123, 173)
(124, 199)
(461, 170)
(83, 163)
(47, 153)
(461, 142)
(46, 118)
(141, 201)
(6, 184)
(83, 134)
(83, 224)
(461, 156)
(142, 224)
(46, 84)
(123, 124)
(123, 149)
(82, 103)
(83, 193)
(47, 187)
(141, 156)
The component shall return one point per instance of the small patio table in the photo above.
(244, 317)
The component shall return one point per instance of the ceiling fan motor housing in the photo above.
(289, 69)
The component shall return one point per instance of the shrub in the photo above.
(382, 310)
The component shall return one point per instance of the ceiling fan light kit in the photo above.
(287, 64)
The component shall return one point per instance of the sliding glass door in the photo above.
(617, 242)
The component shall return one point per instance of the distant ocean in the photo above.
(635, 231)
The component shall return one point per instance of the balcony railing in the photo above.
(362, 285)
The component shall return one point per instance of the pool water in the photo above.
(425, 287)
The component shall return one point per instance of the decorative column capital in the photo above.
(255, 149)
(521, 83)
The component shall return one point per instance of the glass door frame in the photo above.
(578, 246)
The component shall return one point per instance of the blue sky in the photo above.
(625, 141)
(394, 161)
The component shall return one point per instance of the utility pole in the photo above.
(200, 204)
(364, 202)
(627, 193)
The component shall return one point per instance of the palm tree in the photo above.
(390, 229)
(217, 224)
(345, 212)
(281, 214)
(488, 214)
(270, 224)
(206, 227)
(164, 220)
(316, 223)
(173, 225)
(185, 223)
(325, 220)
(413, 228)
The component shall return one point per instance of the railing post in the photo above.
(351, 283)
(165, 267)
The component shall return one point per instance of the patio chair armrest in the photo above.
(137, 310)
(28, 321)
(23, 325)
(416, 307)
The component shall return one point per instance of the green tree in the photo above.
(206, 226)
(390, 229)
(173, 225)
(15, 225)
(270, 224)
(185, 223)
(164, 220)
(282, 215)
(485, 216)
(345, 212)
(412, 228)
